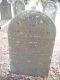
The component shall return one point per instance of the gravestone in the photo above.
(31, 38)
(18, 6)
(5, 10)
(51, 10)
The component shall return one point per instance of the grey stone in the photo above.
(51, 10)
(5, 10)
(31, 37)
(18, 6)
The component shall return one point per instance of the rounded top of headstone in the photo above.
(19, 2)
(33, 18)
(52, 4)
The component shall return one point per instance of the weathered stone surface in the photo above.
(18, 6)
(31, 38)
(51, 10)
(5, 10)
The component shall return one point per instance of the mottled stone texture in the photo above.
(31, 38)
(18, 6)
(51, 10)
(5, 10)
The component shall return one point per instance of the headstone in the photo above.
(51, 10)
(18, 6)
(31, 38)
(5, 10)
